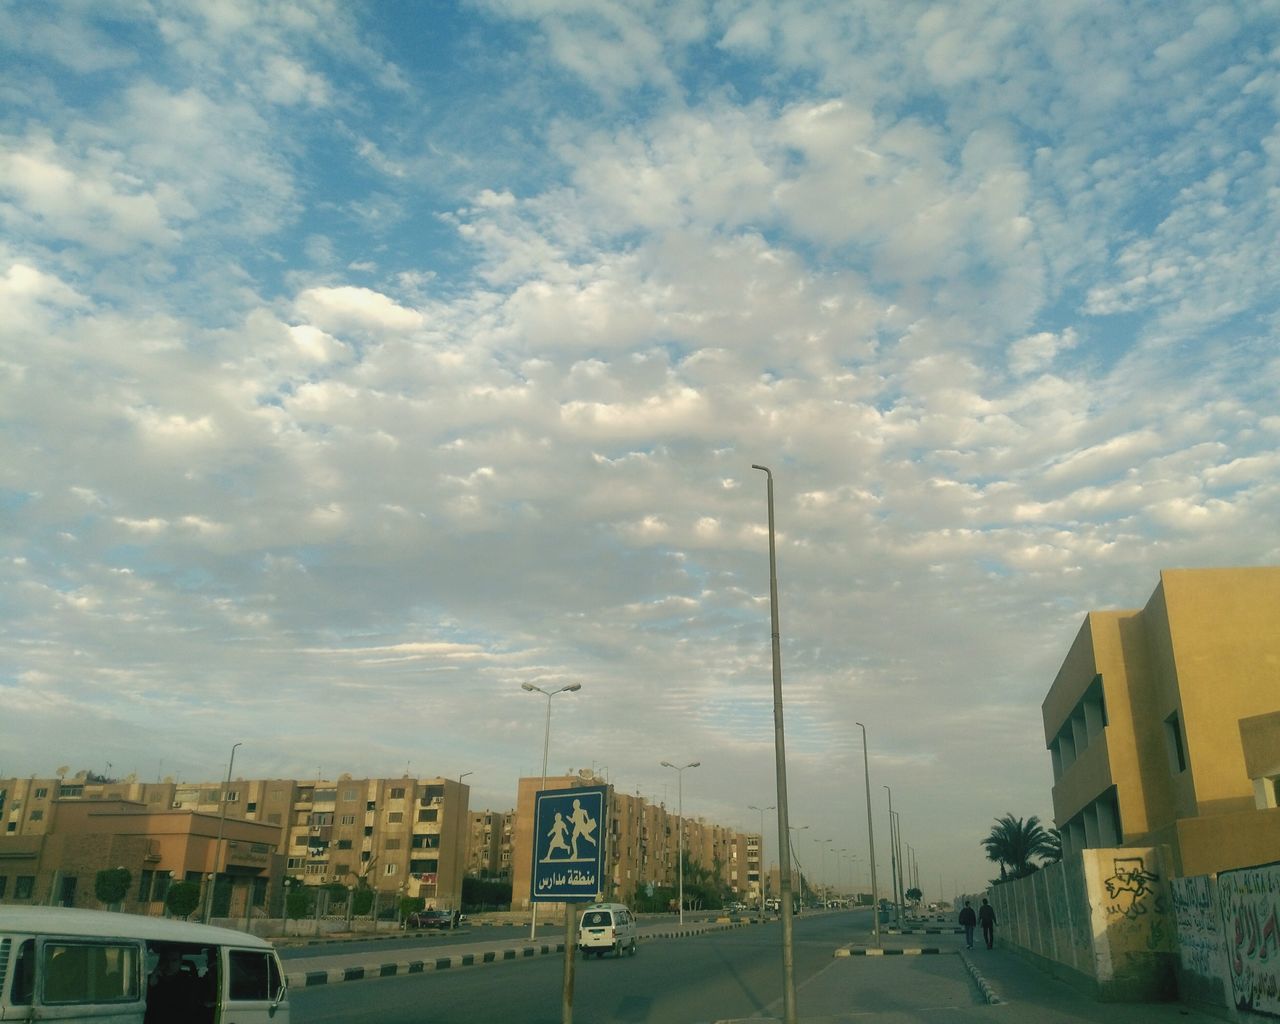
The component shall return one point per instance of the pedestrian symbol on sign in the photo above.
(568, 862)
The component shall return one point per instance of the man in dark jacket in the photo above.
(987, 918)
(968, 919)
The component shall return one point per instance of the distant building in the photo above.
(1163, 723)
(398, 836)
(489, 844)
(58, 864)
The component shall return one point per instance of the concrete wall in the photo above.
(1101, 920)
(1249, 902)
(1202, 959)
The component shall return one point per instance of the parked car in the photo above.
(432, 918)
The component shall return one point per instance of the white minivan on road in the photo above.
(607, 927)
(60, 963)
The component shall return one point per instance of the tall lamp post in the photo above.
(464, 837)
(893, 860)
(902, 884)
(799, 866)
(217, 850)
(780, 758)
(680, 835)
(871, 837)
(546, 742)
(826, 889)
(760, 906)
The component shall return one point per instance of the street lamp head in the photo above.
(571, 688)
(530, 687)
(667, 764)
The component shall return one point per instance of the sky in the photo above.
(361, 362)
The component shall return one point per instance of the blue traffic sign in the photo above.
(568, 844)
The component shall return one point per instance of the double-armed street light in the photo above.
(546, 742)
(760, 905)
(680, 854)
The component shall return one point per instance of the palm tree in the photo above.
(1012, 843)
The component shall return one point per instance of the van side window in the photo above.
(84, 973)
(24, 975)
(254, 976)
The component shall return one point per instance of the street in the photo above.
(671, 981)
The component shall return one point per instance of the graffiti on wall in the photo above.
(1199, 937)
(1250, 903)
(1129, 888)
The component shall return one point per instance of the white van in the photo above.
(60, 963)
(605, 927)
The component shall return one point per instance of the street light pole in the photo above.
(780, 757)
(217, 850)
(826, 889)
(680, 813)
(760, 905)
(893, 861)
(902, 884)
(546, 743)
(871, 836)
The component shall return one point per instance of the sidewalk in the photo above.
(331, 970)
(1008, 990)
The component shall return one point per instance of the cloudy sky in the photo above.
(360, 362)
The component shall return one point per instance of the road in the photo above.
(671, 981)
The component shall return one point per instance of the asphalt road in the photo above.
(671, 981)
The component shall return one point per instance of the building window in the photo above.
(395, 817)
(428, 814)
(23, 887)
(1174, 739)
(344, 844)
(144, 886)
(37, 816)
(41, 793)
(350, 795)
(348, 819)
(251, 806)
(391, 844)
(4, 884)
(390, 869)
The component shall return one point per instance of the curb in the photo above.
(917, 951)
(984, 986)
(335, 975)
(363, 972)
(923, 931)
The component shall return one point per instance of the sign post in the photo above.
(569, 861)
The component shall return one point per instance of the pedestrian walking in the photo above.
(968, 920)
(987, 918)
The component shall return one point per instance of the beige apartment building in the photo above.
(643, 844)
(401, 836)
(489, 843)
(1163, 723)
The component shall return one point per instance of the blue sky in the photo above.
(361, 362)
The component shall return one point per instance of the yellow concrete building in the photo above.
(1163, 723)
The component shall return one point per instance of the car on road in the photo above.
(432, 918)
(736, 907)
(607, 927)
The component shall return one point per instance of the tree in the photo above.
(913, 895)
(1053, 847)
(112, 885)
(1012, 843)
(182, 898)
(300, 901)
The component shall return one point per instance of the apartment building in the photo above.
(489, 844)
(643, 844)
(400, 836)
(1163, 723)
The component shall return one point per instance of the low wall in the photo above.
(1100, 919)
(1249, 904)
